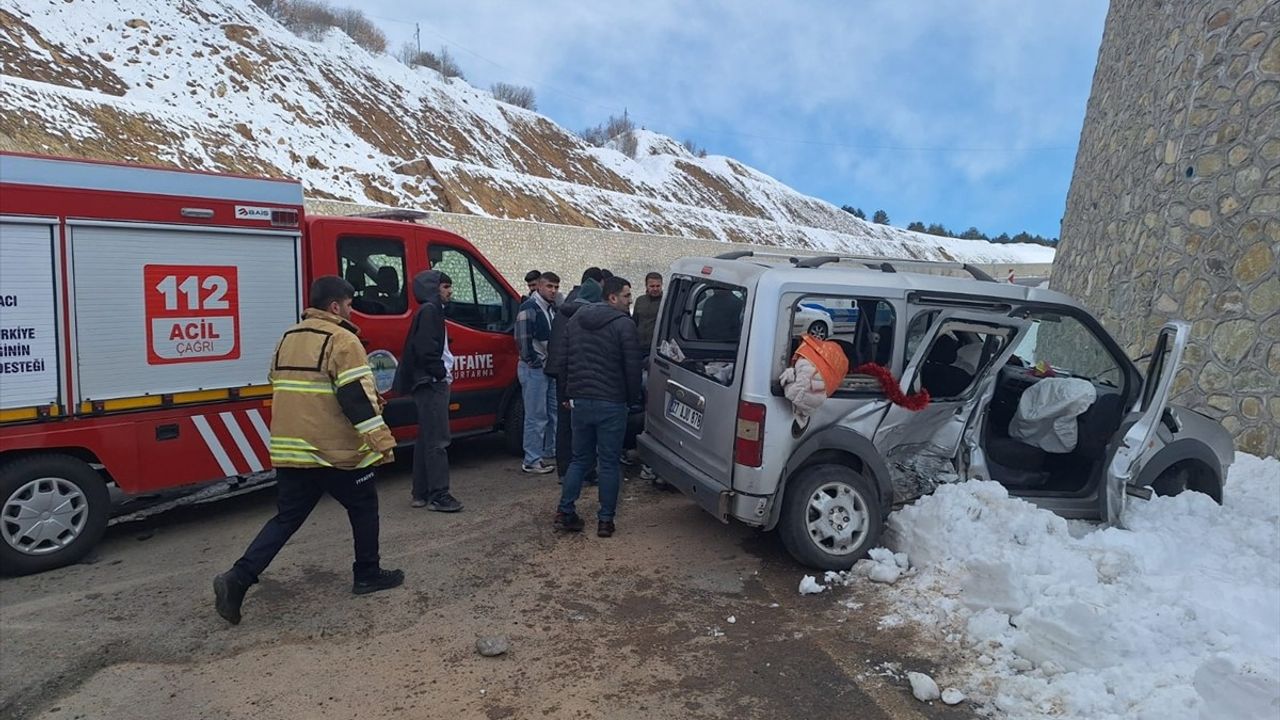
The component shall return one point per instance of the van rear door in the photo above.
(695, 380)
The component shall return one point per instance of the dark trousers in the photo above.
(297, 492)
(564, 443)
(430, 458)
(598, 429)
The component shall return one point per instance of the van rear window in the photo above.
(702, 327)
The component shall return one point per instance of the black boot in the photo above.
(228, 595)
(381, 580)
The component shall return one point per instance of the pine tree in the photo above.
(880, 218)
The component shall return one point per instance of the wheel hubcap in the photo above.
(44, 516)
(837, 518)
(818, 330)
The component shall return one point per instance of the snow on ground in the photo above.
(1176, 617)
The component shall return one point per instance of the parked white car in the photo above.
(813, 321)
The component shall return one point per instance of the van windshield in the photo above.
(702, 327)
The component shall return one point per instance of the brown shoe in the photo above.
(568, 522)
(605, 528)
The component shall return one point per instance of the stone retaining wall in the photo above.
(1174, 207)
(517, 246)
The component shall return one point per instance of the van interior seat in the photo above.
(939, 374)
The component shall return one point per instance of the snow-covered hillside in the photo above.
(219, 85)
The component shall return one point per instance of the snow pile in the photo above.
(809, 585)
(1176, 617)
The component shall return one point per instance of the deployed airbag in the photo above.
(1047, 413)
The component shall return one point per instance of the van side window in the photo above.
(959, 356)
(702, 327)
(916, 331)
(375, 268)
(479, 301)
(863, 327)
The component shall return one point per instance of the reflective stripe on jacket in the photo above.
(325, 408)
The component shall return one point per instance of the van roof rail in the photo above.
(883, 264)
(889, 265)
(740, 254)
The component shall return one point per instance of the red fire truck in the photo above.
(139, 308)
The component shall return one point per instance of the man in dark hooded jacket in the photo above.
(587, 293)
(425, 372)
(591, 274)
(600, 369)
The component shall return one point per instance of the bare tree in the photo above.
(448, 66)
(517, 95)
(311, 19)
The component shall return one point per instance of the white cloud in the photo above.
(880, 74)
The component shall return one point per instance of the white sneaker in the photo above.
(537, 468)
(647, 473)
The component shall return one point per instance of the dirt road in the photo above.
(635, 626)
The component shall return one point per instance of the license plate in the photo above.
(684, 414)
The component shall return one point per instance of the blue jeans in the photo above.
(598, 429)
(539, 394)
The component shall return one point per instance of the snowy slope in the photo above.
(1175, 618)
(217, 84)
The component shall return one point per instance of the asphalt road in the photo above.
(635, 626)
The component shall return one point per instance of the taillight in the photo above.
(748, 443)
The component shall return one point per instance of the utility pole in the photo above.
(417, 37)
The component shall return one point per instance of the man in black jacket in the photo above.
(600, 369)
(587, 293)
(425, 372)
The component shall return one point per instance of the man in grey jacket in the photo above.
(601, 372)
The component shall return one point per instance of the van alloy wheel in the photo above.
(43, 516)
(837, 518)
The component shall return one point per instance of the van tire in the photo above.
(852, 491)
(513, 425)
(72, 479)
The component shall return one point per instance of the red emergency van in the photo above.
(139, 308)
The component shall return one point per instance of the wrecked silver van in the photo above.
(1025, 388)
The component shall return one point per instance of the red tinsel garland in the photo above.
(914, 402)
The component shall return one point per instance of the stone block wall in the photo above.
(517, 246)
(1174, 206)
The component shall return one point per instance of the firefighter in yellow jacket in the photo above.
(327, 434)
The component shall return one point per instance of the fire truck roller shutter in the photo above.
(29, 337)
(167, 309)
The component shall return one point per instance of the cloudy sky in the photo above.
(959, 112)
